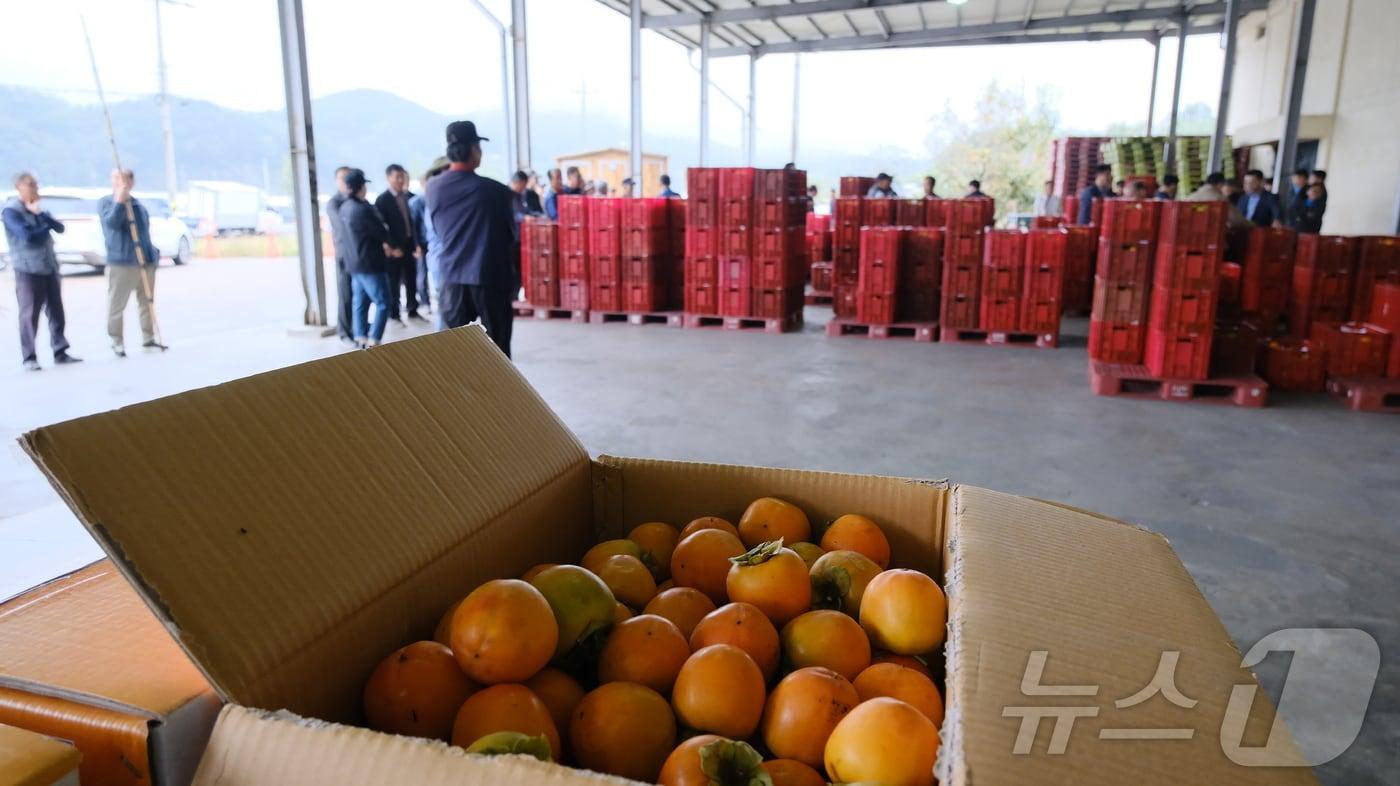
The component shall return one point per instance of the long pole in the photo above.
(301, 149)
(522, 85)
(504, 34)
(1287, 157)
(751, 114)
(1227, 76)
(167, 127)
(117, 162)
(1176, 92)
(636, 103)
(1152, 91)
(796, 101)
(704, 89)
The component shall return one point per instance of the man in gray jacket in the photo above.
(29, 230)
(126, 271)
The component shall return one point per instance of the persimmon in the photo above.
(708, 522)
(684, 606)
(905, 612)
(594, 558)
(505, 707)
(582, 604)
(443, 634)
(854, 532)
(907, 661)
(839, 579)
(790, 772)
(630, 581)
(701, 560)
(417, 691)
(883, 740)
(745, 627)
(712, 760)
(560, 694)
(803, 710)
(720, 690)
(504, 631)
(658, 539)
(537, 570)
(770, 518)
(905, 684)
(772, 578)
(621, 611)
(648, 650)
(826, 638)
(665, 585)
(506, 743)
(623, 729)
(809, 552)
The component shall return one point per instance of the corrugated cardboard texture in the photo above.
(294, 526)
(251, 748)
(29, 759)
(88, 637)
(114, 744)
(1104, 600)
(628, 492)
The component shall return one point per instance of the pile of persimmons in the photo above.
(760, 657)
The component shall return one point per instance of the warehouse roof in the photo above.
(759, 27)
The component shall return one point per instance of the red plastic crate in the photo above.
(1004, 249)
(843, 300)
(649, 212)
(1377, 261)
(817, 222)
(1119, 302)
(1131, 220)
(1385, 307)
(916, 305)
(645, 241)
(959, 309)
(1081, 247)
(967, 217)
(775, 303)
(736, 272)
(1354, 349)
(779, 273)
(1113, 342)
(821, 276)
(1294, 365)
(543, 292)
(963, 249)
(573, 240)
(845, 265)
(652, 271)
(910, 213)
(702, 241)
(604, 212)
(819, 246)
(1045, 265)
(962, 278)
(779, 213)
(604, 240)
(702, 211)
(702, 270)
(856, 186)
(1234, 349)
(605, 297)
(999, 314)
(934, 213)
(1193, 226)
(573, 294)
(605, 270)
(875, 308)
(1040, 316)
(1181, 310)
(1002, 283)
(573, 210)
(735, 241)
(701, 298)
(1125, 262)
(1181, 267)
(573, 267)
(736, 211)
(1228, 286)
(736, 182)
(1317, 295)
(735, 301)
(777, 243)
(1327, 253)
(702, 183)
(1177, 355)
(775, 184)
(1047, 222)
(877, 212)
(643, 297)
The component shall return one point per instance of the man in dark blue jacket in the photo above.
(366, 257)
(29, 230)
(127, 271)
(1101, 188)
(392, 205)
(344, 292)
(1258, 203)
(474, 221)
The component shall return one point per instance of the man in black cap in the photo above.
(883, 188)
(367, 243)
(474, 220)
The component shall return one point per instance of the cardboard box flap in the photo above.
(1092, 605)
(29, 759)
(88, 637)
(251, 748)
(293, 526)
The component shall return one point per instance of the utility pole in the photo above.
(167, 128)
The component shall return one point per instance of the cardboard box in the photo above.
(290, 535)
(82, 659)
(29, 759)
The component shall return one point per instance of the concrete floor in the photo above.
(1286, 517)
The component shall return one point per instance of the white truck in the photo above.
(225, 208)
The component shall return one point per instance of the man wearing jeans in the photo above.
(345, 320)
(366, 259)
(128, 272)
(29, 230)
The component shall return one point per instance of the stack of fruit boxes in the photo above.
(573, 253)
(1266, 272)
(845, 254)
(1324, 266)
(1186, 286)
(1003, 280)
(965, 222)
(920, 274)
(702, 243)
(604, 253)
(879, 276)
(539, 251)
(1042, 299)
(1118, 319)
(646, 254)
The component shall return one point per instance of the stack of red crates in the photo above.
(1070, 209)
(1185, 288)
(573, 253)
(910, 213)
(856, 186)
(818, 237)
(702, 242)
(676, 217)
(604, 253)
(1003, 280)
(845, 254)
(879, 274)
(1123, 275)
(1353, 349)
(1081, 245)
(1322, 273)
(965, 221)
(1385, 314)
(920, 274)
(1072, 162)
(1042, 295)
(1266, 271)
(1294, 365)
(1377, 261)
(646, 254)
(539, 264)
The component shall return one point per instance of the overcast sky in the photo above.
(441, 54)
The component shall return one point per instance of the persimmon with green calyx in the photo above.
(505, 743)
(772, 578)
(712, 760)
(582, 604)
(594, 558)
(839, 579)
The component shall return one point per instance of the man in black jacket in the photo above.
(344, 293)
(403, 267)
(367, 241)
(525, 202)
(1101, 188)
(474, 221)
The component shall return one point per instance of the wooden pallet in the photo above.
(917, 331)
(817, 298)
(523, 309)
(1367, 394)
(955, 335)
(766, 324)
(667, 318)
(1134, 381)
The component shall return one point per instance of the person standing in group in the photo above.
(666, 188)
(524, 202)
(1101, 188)
(392, 205)
(38, 286)
(883, 188)
(1259, 204)
(344, 293)
(551, 194)
(601, 188)
(473, 218)
(1046, 203)
(428, 275)
(1297, 192)
(1214, 190)
(128, 272)
(929, 183)
(1305, 215)
(1170, 185)
(576, 186)
(1135, 190)
(629, 188)
(367, 246)
(974, 190)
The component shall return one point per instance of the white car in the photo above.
(81, 242)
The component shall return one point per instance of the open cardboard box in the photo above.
(294, 527)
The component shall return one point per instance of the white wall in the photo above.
(1352, 91)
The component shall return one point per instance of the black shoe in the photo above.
(63, 358)
(119, 350)
(416, 317)
(155, 345)
(32, 365)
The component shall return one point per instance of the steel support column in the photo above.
(1152, 92)
(167, 127)
(636, 110)
(522, 85)
(303, 155)
(504, 34)
(751, 127)
(704, 91)
(1288, 135)
(1227, 76)
(1182, 24)
(796, 102)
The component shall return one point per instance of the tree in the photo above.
(1005, 145)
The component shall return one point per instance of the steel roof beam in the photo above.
(767, 13)
(918, 39)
